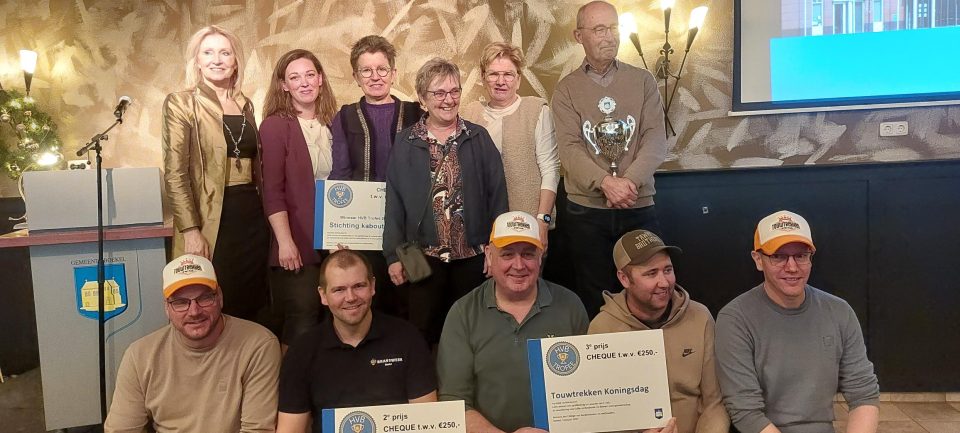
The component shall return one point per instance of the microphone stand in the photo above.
(101, 270)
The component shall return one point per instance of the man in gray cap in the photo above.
(652, 299)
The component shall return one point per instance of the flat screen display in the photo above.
(814, 54)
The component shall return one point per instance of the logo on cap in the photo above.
(187, 266)
(518, 224)
(646, 238)
(785, 223)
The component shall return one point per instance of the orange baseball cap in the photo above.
(781, 228)
(188, 270)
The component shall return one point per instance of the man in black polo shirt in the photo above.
(353, 358)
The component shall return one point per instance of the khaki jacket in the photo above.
(195, 160)
(688, 337)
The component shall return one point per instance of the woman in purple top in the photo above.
(363, 133)
(296, 152)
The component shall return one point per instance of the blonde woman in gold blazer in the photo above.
(211, 153)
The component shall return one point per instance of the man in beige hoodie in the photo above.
(652, 299)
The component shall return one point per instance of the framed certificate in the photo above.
(599, 383)
(444, 416)
(349, 213)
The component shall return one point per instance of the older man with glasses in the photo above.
(784, 348)
(205, 372)
(604, 202)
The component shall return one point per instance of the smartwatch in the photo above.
(545, 217)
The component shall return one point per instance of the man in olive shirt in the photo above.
(205, 372)
(483, 349)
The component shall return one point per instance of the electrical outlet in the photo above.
(893, 129)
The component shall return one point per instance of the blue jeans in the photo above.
(591, 234)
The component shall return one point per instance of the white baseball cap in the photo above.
(513, 227)
(781, 228)
(188, 270)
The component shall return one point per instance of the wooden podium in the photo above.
(61, 212)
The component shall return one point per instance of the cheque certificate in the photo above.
(349, 213)
(444, 416)
(599, 383)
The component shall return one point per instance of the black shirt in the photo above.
(247, 143)
(391, 365)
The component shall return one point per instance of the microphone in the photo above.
(125, 101)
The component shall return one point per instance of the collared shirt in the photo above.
(606, 77)
(447, 194)
(482, 357)
(391, 365)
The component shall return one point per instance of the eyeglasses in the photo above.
(781, 259)
(440, 95)
(382, 71)
(601, 30)
(183, 304)
(508, 77)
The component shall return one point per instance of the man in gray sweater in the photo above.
(603, 204)
(785, 348)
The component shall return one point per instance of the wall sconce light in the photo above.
(662, 68)
(28, 62)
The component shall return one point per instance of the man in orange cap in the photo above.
(482, 357)
(205, 372)
(784, 348)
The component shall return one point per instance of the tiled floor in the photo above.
(21, 410)
(910, 417)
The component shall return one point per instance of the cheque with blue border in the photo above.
(349, 213)
(444, 417)
(599, 383)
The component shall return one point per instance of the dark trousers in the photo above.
(429, 300)
(591, 234)
(387, 300)
(295, 300)
(240, 254)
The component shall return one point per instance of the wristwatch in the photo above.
(545, 217)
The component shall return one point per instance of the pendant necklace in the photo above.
(236, 141)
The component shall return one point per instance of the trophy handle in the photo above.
(591, 137)
(631, 128)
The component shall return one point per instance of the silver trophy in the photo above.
(610, 138)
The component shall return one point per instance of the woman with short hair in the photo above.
(445, 187)
(522, 128)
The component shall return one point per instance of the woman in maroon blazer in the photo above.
(296, 152)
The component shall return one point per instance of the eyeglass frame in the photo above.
(602, 30)
(801, 259)
(379, 69)
(208, 298)
(508, 77)
(443, 94)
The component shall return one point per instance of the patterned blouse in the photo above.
(447, 193)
